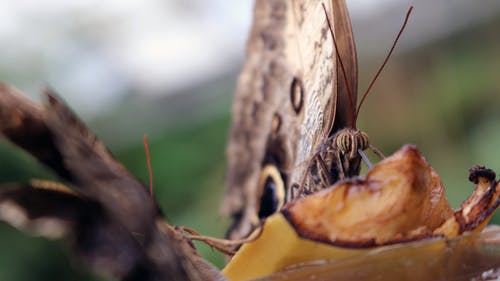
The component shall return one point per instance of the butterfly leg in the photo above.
(326, 180)
(376, 151)
(339, 165)
(227, 247)
(301, 188)
(320, 176)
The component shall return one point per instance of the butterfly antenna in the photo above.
(351, 105)
(385, 62)
(148, 160)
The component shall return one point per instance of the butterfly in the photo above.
(294, 131)
(116, 226)
(277, 128)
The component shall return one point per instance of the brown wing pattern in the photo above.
(347, 50)
(285, 99)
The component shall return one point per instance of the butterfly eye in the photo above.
(297, 94)
(271, 191)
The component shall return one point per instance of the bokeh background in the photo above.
(168, 69)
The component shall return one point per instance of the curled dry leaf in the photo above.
(401, 199)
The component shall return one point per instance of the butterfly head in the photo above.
(349, 140)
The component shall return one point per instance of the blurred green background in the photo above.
(168, 70)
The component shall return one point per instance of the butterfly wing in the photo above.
(97, 240)
(347, 86)
(286, 100)
(116, 225)
(56, 137)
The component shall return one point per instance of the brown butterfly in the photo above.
(293, 132)
(115, 225)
